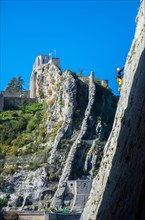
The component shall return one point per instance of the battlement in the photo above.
(44, 59)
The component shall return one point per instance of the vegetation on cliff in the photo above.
(21, 133)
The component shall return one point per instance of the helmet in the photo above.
(118, 69)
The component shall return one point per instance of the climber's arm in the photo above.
(121, 69)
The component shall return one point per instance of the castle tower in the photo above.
(38, 67)
(41, 59)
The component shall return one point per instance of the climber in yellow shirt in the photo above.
(119, 77)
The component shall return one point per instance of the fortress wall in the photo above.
(1, 102)
(56, 61)
(16, 94)
(84, 187)
(32, 217)
(14, 102)
(33, 85)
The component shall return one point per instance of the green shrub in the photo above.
(34, 122)
(34, 165)
(61, 103)
(2, 181)
(1, 155)
(94, 171)
(22, 140)
(41, 94)
(8, 150)
(3, 203)
(34, 107)
(57, 126)
(58, 84)
(10, 169)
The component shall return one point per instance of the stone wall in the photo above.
(60, 216)
(79, 186)
(71, 185)
(83, 187)
(32, 215)
(16, 94)
(13, 102)
(33, 85)
(42, 59)
(44, 215)
(1, 102)
(56, 61)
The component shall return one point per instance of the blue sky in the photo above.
(90, 35)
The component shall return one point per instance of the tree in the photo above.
(15, 84)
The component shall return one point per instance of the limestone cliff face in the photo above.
(57, 200)
(74, 110)
(118, 189)
(74, 113)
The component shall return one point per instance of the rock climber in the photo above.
(119, 77)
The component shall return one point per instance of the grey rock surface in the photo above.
(118, 189)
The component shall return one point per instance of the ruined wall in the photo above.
(11, 100)
(23, 93)
(118, 189)
(79, 186)
(14, 102)
(32, 215)
(83, 186)
(33, 85)
(1, 102)
(56, 61)
(42, 59)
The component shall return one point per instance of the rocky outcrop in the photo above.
(118, 189)
(24, 189)
(69, 97)
(58, 197)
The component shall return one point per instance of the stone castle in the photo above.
(15, 98)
